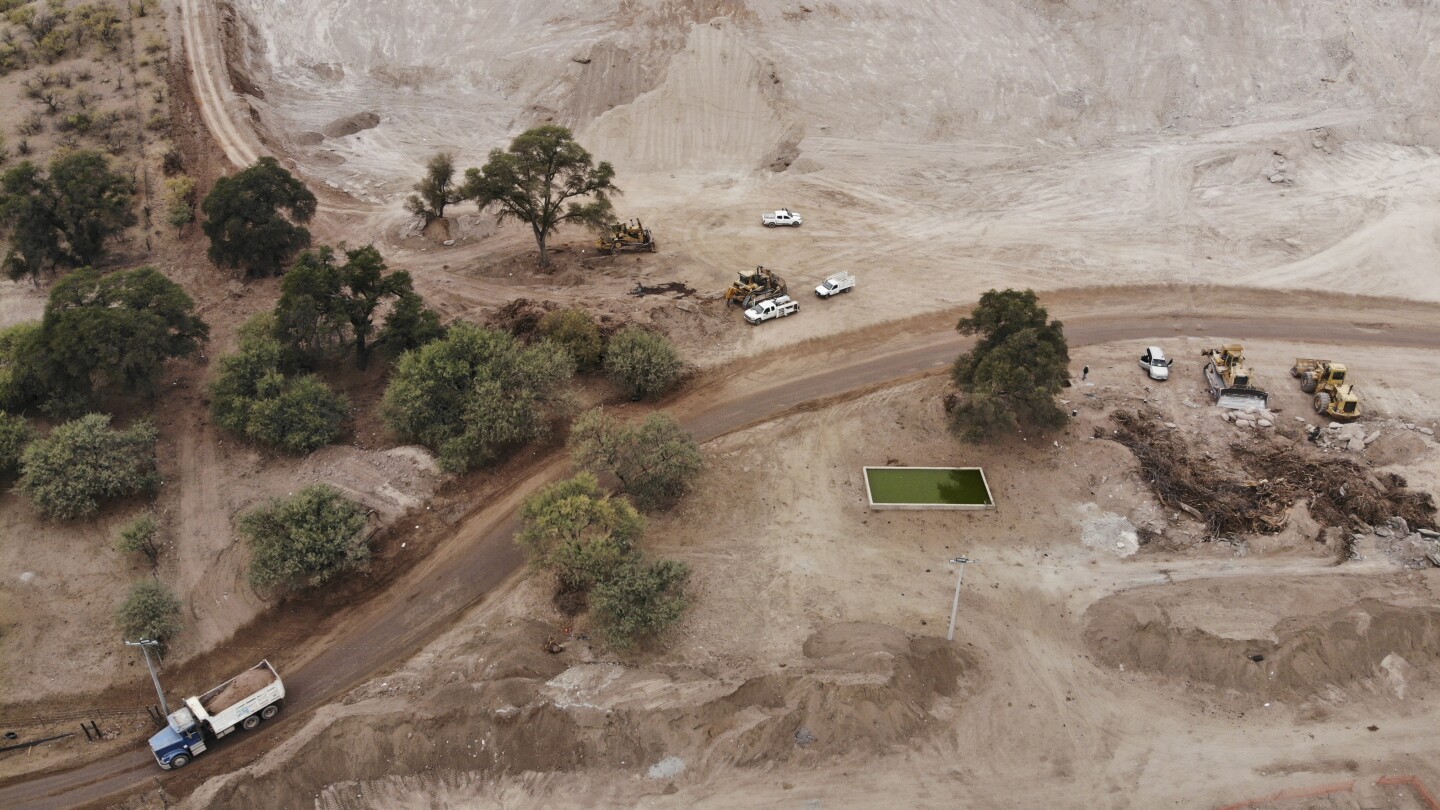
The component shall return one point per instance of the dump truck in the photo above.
(241, 702)
(755, 286)
(1230, 380)
(771, 308)
(1333, 395)
(838, 283)
(626, 237)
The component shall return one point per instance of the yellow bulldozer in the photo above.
(624, 237)
(1334, 395)
(754, 286)
(1230, 380)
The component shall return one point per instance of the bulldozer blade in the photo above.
(1242, 399)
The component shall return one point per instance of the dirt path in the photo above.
(481, 556)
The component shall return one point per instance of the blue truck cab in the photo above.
(180, 741)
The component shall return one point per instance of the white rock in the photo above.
(1356, 445)
(1372, 437)
(1171, 425)
(1426, 431)
(1264, 423)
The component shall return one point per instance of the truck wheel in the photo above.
(1309, 382)
(179, 761)
(270, 711)
(769, 224)
(1322, 403)
(250, 722)
(1294, 371)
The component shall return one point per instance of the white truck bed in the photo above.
(225, 719)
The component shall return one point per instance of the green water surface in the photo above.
(912, 485)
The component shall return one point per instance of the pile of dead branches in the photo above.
(1256, 494)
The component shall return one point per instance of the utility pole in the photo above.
(146, 643)
(955, 605)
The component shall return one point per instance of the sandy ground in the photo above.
(1084, 673)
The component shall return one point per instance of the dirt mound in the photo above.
(351, 124)
(521, 318)
(247, 684)
(1300, 657)
(858, 687)
(1256, 492)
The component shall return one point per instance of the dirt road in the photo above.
(481, 555)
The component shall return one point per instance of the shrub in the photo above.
(141, 536)
(654, 460)
(150, 611)
(252, 396)
(83, 462)
(639, 601)
(576, 331)
(575, 530)
(15, 433)
(642, 361)
(306, 540)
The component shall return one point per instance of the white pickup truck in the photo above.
(773, 308)
(782, 217)
(838, 283)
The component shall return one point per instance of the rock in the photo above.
(1382, 532)
(1264, 423)
(1399, 524)
(1372, 437)
(1300, 419)
(448, 242)
(1356, 445)
(1226, 415)
(1245, 423)
(1171, 425)
(1426, 431)
(1408, 426)
(1428, 534)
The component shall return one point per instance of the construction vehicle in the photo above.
(838, 283)
(1334, 396)
(755, 286)
(771, 308)
(1230, 380)
(241, 702)
(626, 237)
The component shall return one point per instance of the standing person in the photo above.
(1084, 373)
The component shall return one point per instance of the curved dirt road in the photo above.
(481, 555)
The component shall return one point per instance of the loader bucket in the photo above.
(1242, 399)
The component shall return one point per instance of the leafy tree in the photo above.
(640, 601)
(245, 223)
(577, 332)
(436, 190)
(114, 330)
(150, 611)
(323, 301)
(141, 536)
(475, 394)
(537, 181)
(580, 533)
(252, 396)
(29, 223)
(642, 361)
(306, 540)
(92, 203)
(654, 460)
(1018, 365)
(21, 366)
(83, 462)
(410, 325)
(180, 201)
(15, 433)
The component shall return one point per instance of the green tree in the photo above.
(538, 180)
(28, 222)
(642, 361)
(475, 394)
(180, 201)
(581, 534)
(141, 536)
(83, 462)
(150, 611)
(306, 540)
(15, 433)
(640, 601)
(246, 218)
(655, 460)
(1017, 367)
(21, 367)
(114, 330)
(252, 395)
(323, 301)
(410, 325)
(93, 204)
(436, 190)
(575, 329)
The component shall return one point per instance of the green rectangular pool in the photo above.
(928, 488)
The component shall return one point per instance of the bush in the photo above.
(475, 394)
(640, 601)
(150, 611)
(643, 362)
(141, 536)
(15, 433)
(252, 396)
(576, 331)
(306, 540)
(654, 460)
(21, 384)
(578, 532)
(83, 462)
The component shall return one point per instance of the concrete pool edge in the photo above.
(969, 507)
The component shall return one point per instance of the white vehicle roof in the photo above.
(1155, 352)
